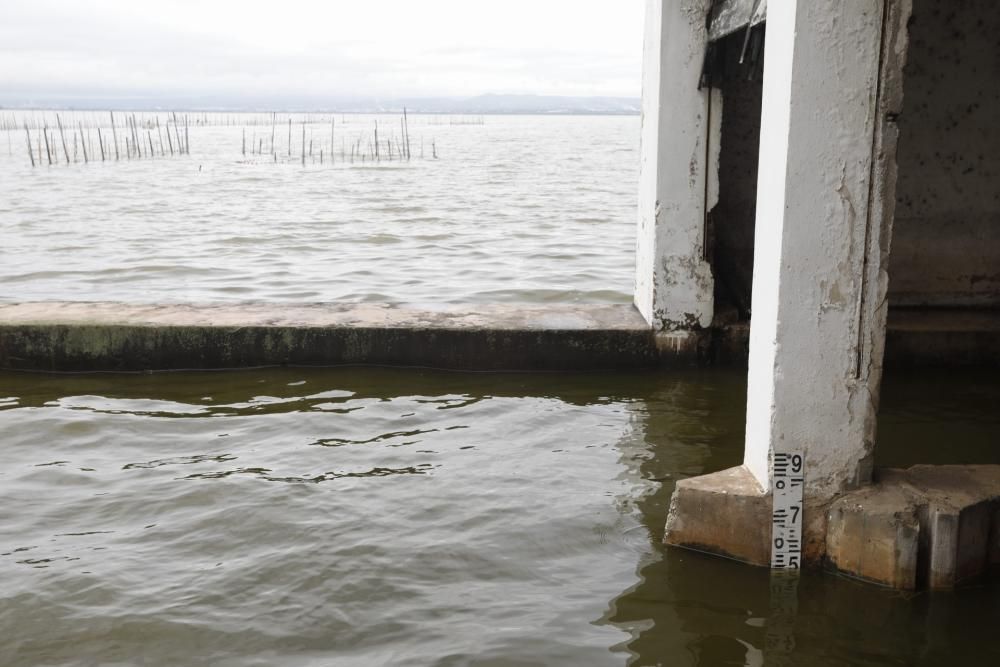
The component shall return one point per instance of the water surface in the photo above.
(387, 517)
(516, 209)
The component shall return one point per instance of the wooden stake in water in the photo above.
(100, 141)
(85, 159)
(136, 144)
(160, 135)
(114, 133)
(406, 133)
(244, 142)
(48, 152)
(303, 143)
(177, 135)
(30, 154)
(62, 136)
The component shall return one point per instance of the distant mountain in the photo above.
(524, 104)
(480, 104)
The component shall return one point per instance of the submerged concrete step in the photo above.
(924, 527)
(74, 336)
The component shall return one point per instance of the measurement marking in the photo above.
(786, 514)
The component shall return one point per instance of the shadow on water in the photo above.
(689, 608)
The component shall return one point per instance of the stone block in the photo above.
(925, 527)
(724, 513)
(994, 552)
(957, 521)
(873, 534)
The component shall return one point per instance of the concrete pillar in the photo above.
(824, 207)
(678, 169)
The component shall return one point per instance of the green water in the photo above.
(373, 516)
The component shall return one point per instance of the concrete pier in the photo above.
(678, 171)
(835, 137)
(869, 226)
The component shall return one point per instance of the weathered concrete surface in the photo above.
(960, 503)
(943, 337)
(873, 534)
(112, 336)
(915, 337)
(823, 224)
(946, 229)
(724, 513)
(924, 527)
(728, 514)
(115, 336)
(946, 242)
(678, 174)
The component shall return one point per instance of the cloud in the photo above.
(370, 47)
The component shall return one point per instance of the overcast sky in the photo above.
(80, 48)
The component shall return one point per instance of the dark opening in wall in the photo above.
(731, 221)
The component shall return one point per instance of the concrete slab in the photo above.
(873, 534)
(924, 527)
(60, 336)
(959, 505)
(943, 337)
(724, 513)
(68, 335)
(915, 337)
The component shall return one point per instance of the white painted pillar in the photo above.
(674, 286)
(824, 208)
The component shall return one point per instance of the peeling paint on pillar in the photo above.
(674, 287)
(825, 198)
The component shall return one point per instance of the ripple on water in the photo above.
(195, 229)
(251, 518)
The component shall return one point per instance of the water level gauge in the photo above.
(786, 514)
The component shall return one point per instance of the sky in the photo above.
(334, 48)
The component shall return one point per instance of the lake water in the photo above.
(397, 517)
(515, 209)
(365, 516)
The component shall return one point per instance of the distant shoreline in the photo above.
(479, 105)
(354, 112)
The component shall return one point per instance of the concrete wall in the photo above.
(946, 237)
(679, 143)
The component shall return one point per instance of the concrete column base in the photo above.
(925, 527)
(725, 513)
